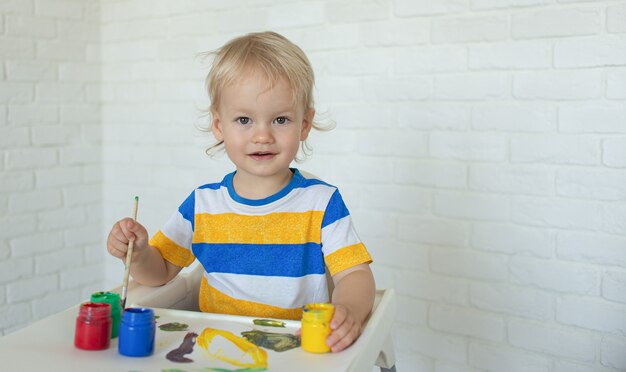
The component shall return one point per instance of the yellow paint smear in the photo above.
(258, 355)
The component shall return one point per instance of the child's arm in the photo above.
(148, 266)
(353, 298)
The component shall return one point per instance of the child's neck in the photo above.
(254, 187)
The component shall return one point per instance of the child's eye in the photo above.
(281, 120)
(243, 120)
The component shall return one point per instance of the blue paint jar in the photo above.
(137, 332)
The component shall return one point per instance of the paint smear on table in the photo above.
(268, 323)
(269, 340)
(252, 356)
(173, 327)
(186, 347)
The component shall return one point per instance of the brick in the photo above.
(493, 357)
(61, 218)
(59, 92)
(559, 149)
(433, 116)
(616, 83)
(396, 198)
(512, 300)
(406, 255)
(612, 352)
(193, 24)
(549, 274)
(557, 341)
(512, 178)
(507, 55)
(470, 29)
(421, 60)
(130, 51)
(357, 11)
(614, 152)
(468, 146)
(14, 137)
(79, 72)
(351, 62)
(477, 86)
(80, 30)
(616, 18)
(599, 51)
(430, 173)
(558, 85)
(30, 70)
(30, 158)
(394, 32)
(356, 116)
(16, 7)
(596, 184)
(54, 303)
(33, 114)
(53, 135)
(14, 314)
(541, 23)
(79, 154)
(433, 231)
(424, 341)
(33, 201)
(424, 7)
(76, 278)
(34, 27)
(14, 269)
(496, 4)
(58, 261)
(564, 365)
(591, 248)
(591, 313)
(329, 37)
(82, 195)
(393, 143)
(371, 224)
(471, 206)
(58, 176)
(35, 244)
(467, 322)
(396, 89)
(15, 92)
(614, 286)
(63, 9)
(461, 263)
(412, 311)
(593, 118)
(86, 234)
(435, 288)
(513, 240)
(31, 288)
(551, 212)
(614, 218)
(17, 47)
(61, 50)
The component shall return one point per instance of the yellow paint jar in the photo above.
(316, 327)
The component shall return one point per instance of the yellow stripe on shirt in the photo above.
(213, 301)
(171, 251)
(273, 228)
(347, 257)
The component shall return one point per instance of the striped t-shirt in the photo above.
(266, 257)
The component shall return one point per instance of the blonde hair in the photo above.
(267, 52)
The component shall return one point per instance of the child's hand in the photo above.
(345, 329)
(123, 232)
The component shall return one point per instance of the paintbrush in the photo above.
(129, 258)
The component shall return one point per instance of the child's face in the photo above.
(261, 128)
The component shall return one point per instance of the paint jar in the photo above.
(316, 327)
(93, 326)
(112, 299)
(137, 332)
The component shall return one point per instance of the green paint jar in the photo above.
(112, 299)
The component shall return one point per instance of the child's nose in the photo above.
(263, 133)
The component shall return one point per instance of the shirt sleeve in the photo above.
(341, 245)
(174, 239)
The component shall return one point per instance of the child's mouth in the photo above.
(262, 155)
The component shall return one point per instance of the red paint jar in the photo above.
(93, 326)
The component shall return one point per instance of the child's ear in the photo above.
(307, 124)
(216, 126)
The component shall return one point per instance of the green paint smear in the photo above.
(268, 323)
(275, 341)
(172, 327)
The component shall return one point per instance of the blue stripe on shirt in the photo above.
(187, 209)
(335, 210)
(291, 260)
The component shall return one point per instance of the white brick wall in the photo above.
(46, 150)
(480, 145)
